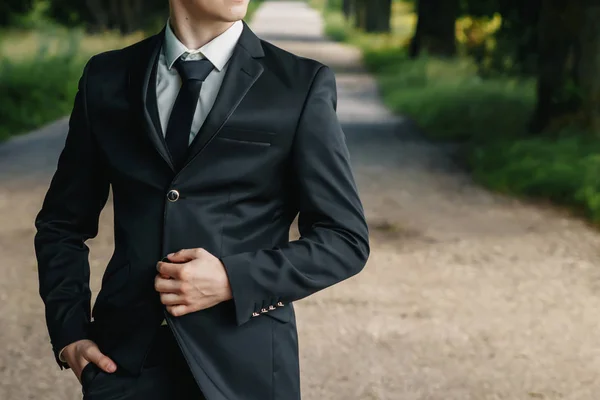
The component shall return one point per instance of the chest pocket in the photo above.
(249, 137)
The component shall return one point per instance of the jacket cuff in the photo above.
(70, 337)
(236, 267)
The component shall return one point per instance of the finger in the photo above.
(168, 269)
(186, 255)
(178, 310)
(93, 354)
(163, 285)
(172, 299)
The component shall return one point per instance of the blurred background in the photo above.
(473, 127)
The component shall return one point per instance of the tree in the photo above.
(347, 8)
(9, 8)
(568, 90)
(515, 49)
(97, 15)
(436, 28)
(379, 13)
(588, 71)
(373, 15)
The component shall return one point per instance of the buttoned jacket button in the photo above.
(173, 195)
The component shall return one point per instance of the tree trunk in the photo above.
(347, 8)
(130, 16)
(529, 15)
(98, 11)
(588, 72)
(378, 14)
(360, 13)
(436, 28)
(559, 54)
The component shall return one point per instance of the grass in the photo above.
(39, 72)
(450, 101)
(252, 7)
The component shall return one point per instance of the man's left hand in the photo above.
(194, 280)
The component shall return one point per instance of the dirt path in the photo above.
(467, 295)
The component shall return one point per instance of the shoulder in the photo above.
(112, 63)
(288, 65)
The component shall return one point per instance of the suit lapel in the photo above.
(142, 81)
(242, 72)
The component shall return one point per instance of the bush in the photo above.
(564, 170)
(447, 98)
(39, 72)
(37, 90)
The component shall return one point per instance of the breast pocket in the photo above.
(249, 137)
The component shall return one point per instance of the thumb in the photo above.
(97, 357)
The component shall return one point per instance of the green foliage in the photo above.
(39, 89)
(564, 169)
(449, 100)
(39, 72)
(35, 17)
(10, 8)
(338, 28)
(252, 7)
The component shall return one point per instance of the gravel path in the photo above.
(467, 295)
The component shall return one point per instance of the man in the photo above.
(212, 141)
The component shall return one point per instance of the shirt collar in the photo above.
(218, 51)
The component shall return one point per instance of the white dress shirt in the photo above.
(218, 51)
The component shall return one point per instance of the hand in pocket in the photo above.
(83, 352)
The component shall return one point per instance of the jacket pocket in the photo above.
(246, 136)
(88, 373)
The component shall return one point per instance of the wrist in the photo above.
(68, 349)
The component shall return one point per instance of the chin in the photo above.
(237, 12)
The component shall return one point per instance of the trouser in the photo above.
(165, 376)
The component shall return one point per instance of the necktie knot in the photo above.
(196, 70)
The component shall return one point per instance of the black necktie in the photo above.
(192, 74)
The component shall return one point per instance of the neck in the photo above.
(194, 31)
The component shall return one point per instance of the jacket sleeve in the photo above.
(68, 217)
(334, 243)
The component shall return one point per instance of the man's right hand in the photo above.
(81, 353)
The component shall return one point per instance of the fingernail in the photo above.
(112, 368)
(170, 254)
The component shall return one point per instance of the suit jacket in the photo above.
(271, 148)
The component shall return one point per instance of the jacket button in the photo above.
(173, 195)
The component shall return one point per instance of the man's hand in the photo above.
(81, 353)
(198, 281)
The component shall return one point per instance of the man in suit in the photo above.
(212, 141)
